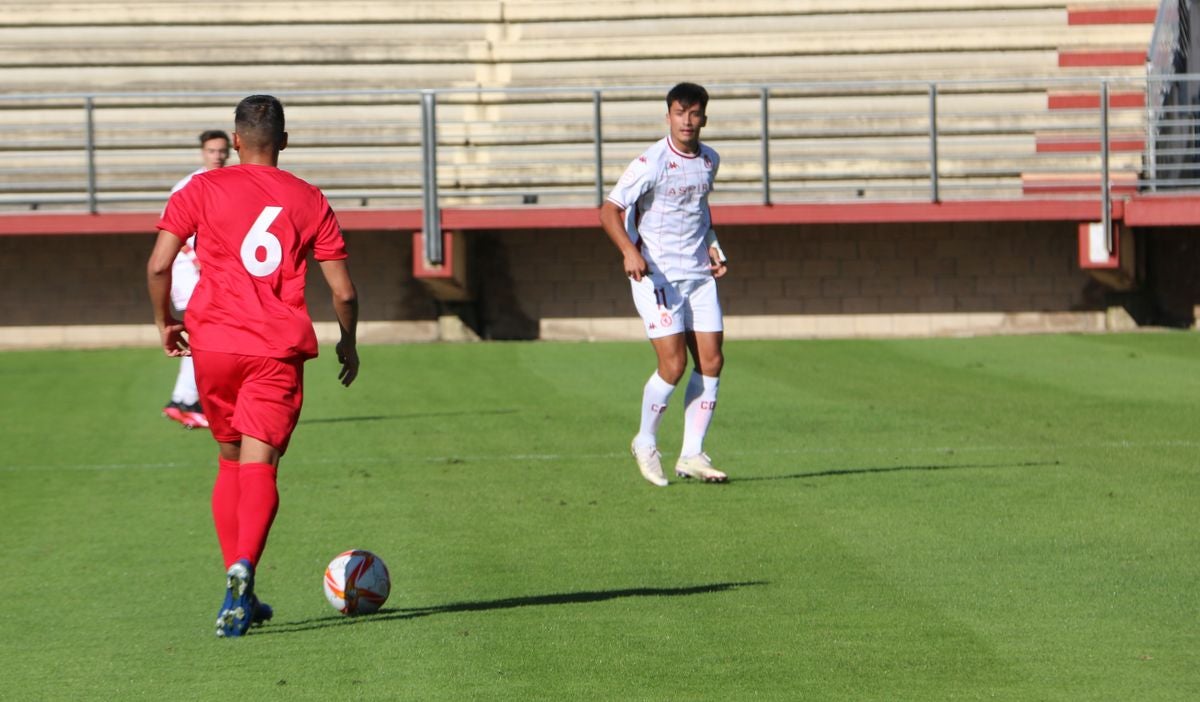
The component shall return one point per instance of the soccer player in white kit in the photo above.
(184, 406)
(658, 217)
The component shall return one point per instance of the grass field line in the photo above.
(529, 457)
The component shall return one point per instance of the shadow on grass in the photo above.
(835, 472)
(415, 415)
(586, 597)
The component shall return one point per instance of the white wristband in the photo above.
(711, 240)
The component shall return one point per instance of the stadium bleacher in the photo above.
(151, 47)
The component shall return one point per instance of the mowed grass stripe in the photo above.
(943, 455)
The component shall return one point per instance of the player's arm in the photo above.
(158, 283)
(345, 308)
(612, 218)
(716, 255)
(718, 264)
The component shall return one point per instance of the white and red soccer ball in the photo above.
(357, 582)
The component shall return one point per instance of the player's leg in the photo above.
(185, 391)
(186, 396)
(700, 397)
(226, 493)
(225, 496)
(217, 379)
(257, 504)
(258, 501)
(245, 477)
(657, 302)
(184, 406)
(225, 506)
(266, 411)
(268, 407)
(656, 395)
(183, 394)
(671, 353)
(705, 340)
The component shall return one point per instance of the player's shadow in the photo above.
(414, 415)
(586, 597)
(838, 472)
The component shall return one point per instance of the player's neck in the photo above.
(254, 157)
(684, 148)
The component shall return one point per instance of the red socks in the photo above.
(225, 509)
(256, 509)
(244, 504)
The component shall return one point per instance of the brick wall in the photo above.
(101, 279)
(799, 280)
(954, 276)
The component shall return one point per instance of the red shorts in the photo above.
(250, 396)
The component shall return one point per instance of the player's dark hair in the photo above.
(688, 94)
(258, 121)
(210, 134)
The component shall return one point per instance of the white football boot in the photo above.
(649, 461)
(700, 467)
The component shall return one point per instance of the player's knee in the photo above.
(671, 370)
(711, 364)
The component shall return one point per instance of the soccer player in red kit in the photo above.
(248, 329)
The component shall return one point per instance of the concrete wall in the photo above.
(784, 281)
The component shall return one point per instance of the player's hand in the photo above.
(347, 356)
(716, 263)
(635, 265)
(173, 341)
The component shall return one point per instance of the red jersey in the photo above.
(254, 227)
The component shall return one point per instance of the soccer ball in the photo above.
(357, 582)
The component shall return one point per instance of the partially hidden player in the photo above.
(184, 406)
(659, 219)
(248, 328)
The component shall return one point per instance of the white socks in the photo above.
(185, 391)
(700, 401)
(654, 404)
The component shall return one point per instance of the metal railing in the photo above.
(801, 142)
(1172, 98)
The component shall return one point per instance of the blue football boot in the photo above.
(237, 612)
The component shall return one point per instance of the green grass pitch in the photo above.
(1010, 518)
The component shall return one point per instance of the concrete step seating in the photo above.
(844, 133)
(460, 44)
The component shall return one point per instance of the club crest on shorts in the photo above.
(665, 320)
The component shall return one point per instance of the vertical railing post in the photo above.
(431, 215)
(765, 101)
(1105, 188)
(598, 136)
(935, 194)
(89, 108)
(1152, 116)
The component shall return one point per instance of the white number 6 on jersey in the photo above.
(259, 237)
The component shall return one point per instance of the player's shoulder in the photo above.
(652, 158)
(187, 179)
(708, 152)
(296, 182)
(263, 173)
(658, 150)
(218, 174)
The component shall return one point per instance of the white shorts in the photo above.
(670, 308)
